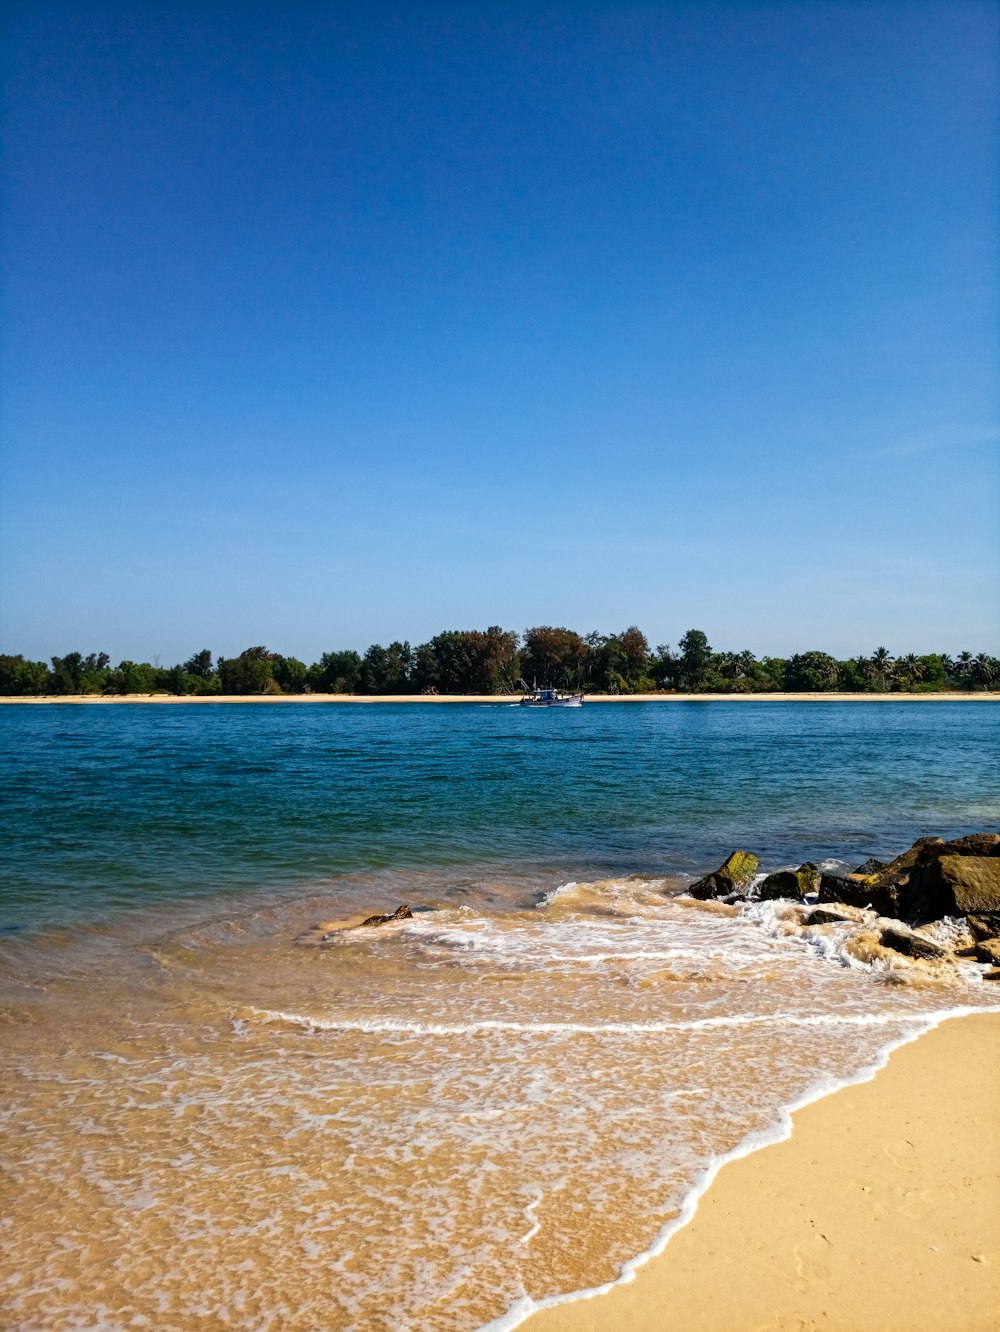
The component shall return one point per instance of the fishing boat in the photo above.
(551, 698)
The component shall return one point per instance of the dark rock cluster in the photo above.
(931, 880)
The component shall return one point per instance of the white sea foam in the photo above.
(471, 1083)
(779, 1131)
(529, 1215)
(554, 894)
(400, 1026)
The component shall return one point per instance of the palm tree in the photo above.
(963, 669)
(882, 664)
(982, 669)
(728, 665)
(909, 670)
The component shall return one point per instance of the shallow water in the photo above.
(215, 1112)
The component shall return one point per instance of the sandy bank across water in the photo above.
(992, 696)
(881, 1213)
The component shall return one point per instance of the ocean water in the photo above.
(226, 1106)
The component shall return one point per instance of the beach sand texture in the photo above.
(881, 1213)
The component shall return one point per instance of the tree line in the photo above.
(501, 661)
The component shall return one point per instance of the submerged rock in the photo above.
(736, 874)
(912, 945)
(401, 913)
(785, 883)
(790, 884)
(859, 891)
(824, 916)
(866, 946)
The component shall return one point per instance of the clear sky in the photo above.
(326, 324)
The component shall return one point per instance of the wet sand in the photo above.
(989, 696)
(881, 1213)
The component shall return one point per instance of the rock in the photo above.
(992, 974)
(790, 884)
(401, 913)
(808, 876)
(783, 884)
(912, 945)
(866, 946)
(909, 887)
(859, 892)
(736, 874)
(824, 916)
(896, 874)
(959, 885)
(985, 926)
(976, 844)
(871, 866)
(989, 951)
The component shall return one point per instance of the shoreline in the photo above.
(874, 1206)
(985, 696)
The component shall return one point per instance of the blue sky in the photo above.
(331, 324)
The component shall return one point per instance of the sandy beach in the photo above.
(986, 696)
(881, 1213)
(225, 1110)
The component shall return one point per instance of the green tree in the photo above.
(772, 669)
(131, 677)
(387, 670)
(67, 673)
(252, 672)
(291, 674)
(964, 670)
(176, 680)
(665, 667)
(335, 673)
(882, 664)
(633, 652)
(909, 671)
(19, 677)
(934, 672)
(983, 670)
(696, 657)
(200, 664)
(553, 657)
(620, 663)
(471, 661)
(737, 673)
(425, 676)
(810, 673)
(852, 675)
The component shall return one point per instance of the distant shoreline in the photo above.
(984, 697)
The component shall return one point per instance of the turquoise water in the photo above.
(109, 808)
(226, 1106)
